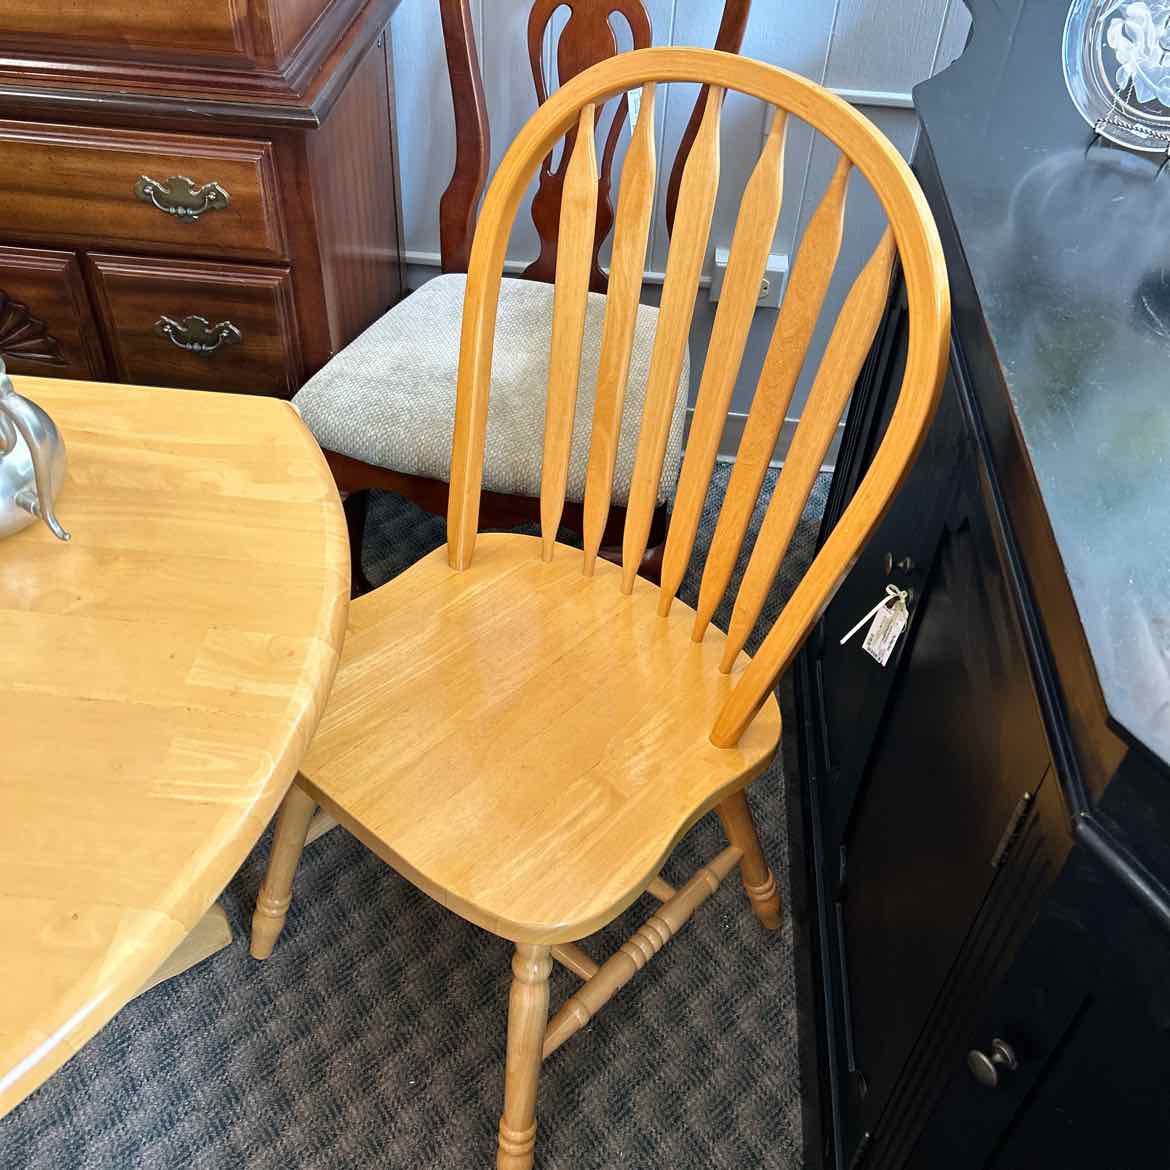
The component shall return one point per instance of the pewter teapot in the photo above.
(32, 463)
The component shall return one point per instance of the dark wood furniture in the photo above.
(195, 193)
(983, 826)
(586, 39)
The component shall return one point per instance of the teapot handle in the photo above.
(18, 412)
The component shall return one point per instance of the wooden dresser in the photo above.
(194, 193)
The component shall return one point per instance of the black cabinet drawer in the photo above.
(1029, 1012)
(1086, 1009)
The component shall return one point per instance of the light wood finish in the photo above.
(573, 958)
(477, 687)
(321, 824)
(807, 284)
(758, 882)
(635, 203)
(176, 653)
(637, 951)
(751, 242)
(927, 292)
(527, 1019)
(292, 827)
(684, 263)
(563, 730)
(574, 257)
(845, 354)
(207, 937)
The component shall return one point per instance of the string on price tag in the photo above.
(889, 618)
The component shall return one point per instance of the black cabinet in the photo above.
(970, 898)
(960, 754)
(982, 826)
(930, 778)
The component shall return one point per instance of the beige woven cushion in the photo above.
(389, 397)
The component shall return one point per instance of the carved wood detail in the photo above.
(586, 39)
(458, 205)
(26, 336)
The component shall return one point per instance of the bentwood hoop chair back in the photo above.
(523, 729)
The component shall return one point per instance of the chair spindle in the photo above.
(684, 263)
(631, 234)
(751, 241)
(574, 258)
(807, 285)
(844, 356)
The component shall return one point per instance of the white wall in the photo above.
(870, 51)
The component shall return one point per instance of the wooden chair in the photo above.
(523, 730)
(383, 409)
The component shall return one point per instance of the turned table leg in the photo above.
(292, 824)
(758, 881)
(527, 1018)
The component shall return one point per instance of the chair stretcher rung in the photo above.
(572, 957)
(638, 950)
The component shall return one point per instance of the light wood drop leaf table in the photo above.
(160, 677)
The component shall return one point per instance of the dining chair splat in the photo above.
(524, 730)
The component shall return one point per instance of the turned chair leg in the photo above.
(292, 824)
(758, 881)
(527, 1020)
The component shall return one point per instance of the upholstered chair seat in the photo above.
(389, 397)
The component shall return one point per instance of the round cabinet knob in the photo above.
(905, 565)
(985, 1067)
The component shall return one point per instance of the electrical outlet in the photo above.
(771, 287)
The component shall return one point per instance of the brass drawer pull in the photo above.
(197, 334)
(179, 196)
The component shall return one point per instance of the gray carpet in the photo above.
(374, 1036)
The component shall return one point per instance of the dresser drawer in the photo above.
(164, 193)
(203, 326)
(219, 32)
(46, 326)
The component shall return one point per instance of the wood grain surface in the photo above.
(160, 677)
(523, 742)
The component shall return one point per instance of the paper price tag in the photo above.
(890, 616)
(884, 632)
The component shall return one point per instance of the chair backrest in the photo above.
(586, 39)
(911, 236)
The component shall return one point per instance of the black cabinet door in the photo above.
(854, 687)
(960, 753)
(1085, 1009)
(1088, 1019)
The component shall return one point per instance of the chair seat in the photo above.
(388, 398)
(524, 743)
